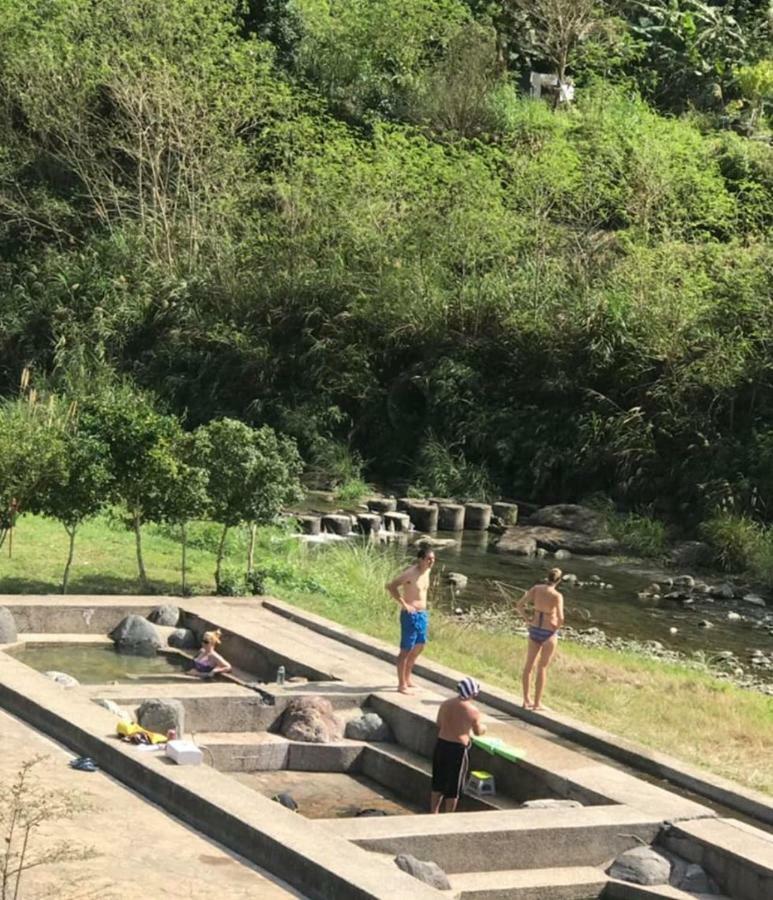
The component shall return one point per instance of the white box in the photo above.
(184, 753)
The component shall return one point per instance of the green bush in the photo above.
(352, 491)
(231, 583)
(640, 535)
(735, 540)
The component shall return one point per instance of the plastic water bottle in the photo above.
(280, 675)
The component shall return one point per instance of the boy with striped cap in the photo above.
(456, 718)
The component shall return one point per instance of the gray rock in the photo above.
(458, 580)
(8, 632)
(62, 678)
(704, 623)
(697, 881)
(370, 727)
(136, 636)
(551, 803)
(518, 537)
(689, 554)
(569, 578)
(166, 614)
(562, 554)
(516, 541)
(571, 517)
(287, 800)
(754, 599)
(733, 617)
(722, 591)
(641, 865)
(161, 715)
(428, 872)
(540, 552)
(684, 581)
(370, 813)
(182, 639)
(114, 708)
(311, 719)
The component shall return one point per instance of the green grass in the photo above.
(679, 711)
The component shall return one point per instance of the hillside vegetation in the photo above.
(347, 219)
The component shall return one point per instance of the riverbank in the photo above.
(674, 706)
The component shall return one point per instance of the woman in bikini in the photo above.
(208, 661)
(547, 618)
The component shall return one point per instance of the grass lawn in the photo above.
(680, 711)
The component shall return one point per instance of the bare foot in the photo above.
(527, 704)
(539, 708)
(404, 690)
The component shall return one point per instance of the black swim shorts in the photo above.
(449, 768)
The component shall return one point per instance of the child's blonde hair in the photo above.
(212, 637)
(554, 576)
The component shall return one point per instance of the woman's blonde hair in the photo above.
(554, 576)
(212, 637)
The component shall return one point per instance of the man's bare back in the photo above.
(456, 718)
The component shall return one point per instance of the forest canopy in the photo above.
(348, 220)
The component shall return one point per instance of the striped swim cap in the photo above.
(468, 687)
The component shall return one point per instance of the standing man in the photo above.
(409, 589)
(456, 718)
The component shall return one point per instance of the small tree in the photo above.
(559, 26)
(30, 451)
(143, 464)
(81, 490)
(185, 498)
(252, 474)
(24, 807)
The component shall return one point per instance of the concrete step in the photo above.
(502, 840)
(624, 890)
(575, 883)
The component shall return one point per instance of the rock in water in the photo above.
(370, 727)
(571, 517)
(136, 636)
(311, 719)
(166, 614)
(641, 865)
(62, 678)
(8, 632)
(162, 715)
(182, 639)
(428, 872)
(458, 580)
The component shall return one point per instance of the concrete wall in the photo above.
(251, 656)
(42, 619)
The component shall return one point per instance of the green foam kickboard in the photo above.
(511, 754)
(490, 745)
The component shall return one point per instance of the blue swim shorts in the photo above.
(413, 628)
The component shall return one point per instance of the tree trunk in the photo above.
(66, 576)
(251, 549)
(140, 562)
(184, 547)
(220, 551)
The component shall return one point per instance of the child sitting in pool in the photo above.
(208, 661)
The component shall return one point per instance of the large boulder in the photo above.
(7, 626)
(428, 872)
(136, 636)
(571, 517)
(166, 614)
(517, 541)
(182, 639)
(370, 727)
(162, 715)
(690, 554)
(62, 678)
(520, 539)
(311, 719)
(641, 865)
